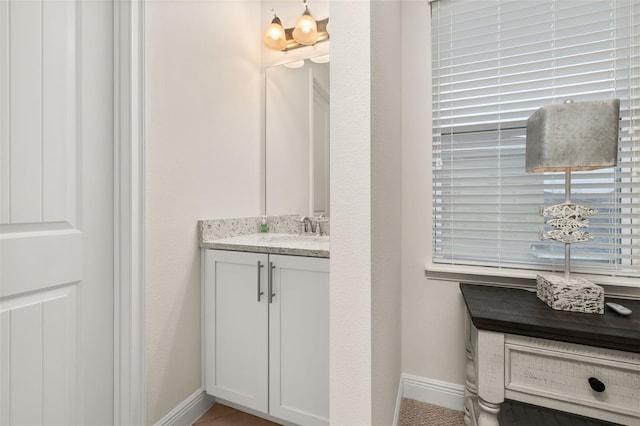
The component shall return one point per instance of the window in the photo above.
(496, 62)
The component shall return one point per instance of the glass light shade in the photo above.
(306, 29)
(274, 36)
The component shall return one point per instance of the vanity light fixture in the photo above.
(574, 136)
(307, 32)
(274, 35)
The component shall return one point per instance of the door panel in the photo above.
(25, 121)
(39, 111)
(38, 335)
(56, 213)
(299, 340)
(37, 260)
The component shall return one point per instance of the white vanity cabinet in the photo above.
(236, 328)
(269, 353)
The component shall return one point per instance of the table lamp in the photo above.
(573, 136)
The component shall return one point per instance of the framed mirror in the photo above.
(297, 98)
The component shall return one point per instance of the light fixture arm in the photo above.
(306, 9)
(275, 19)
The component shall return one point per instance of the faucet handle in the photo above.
(319, 221)
(322, 219)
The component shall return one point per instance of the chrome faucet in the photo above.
(307, 224)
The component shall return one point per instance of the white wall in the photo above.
(203, 128)
(365, 208)
(204, 161)
(350, 284)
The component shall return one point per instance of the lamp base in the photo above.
(570, 294)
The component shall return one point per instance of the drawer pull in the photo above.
(596, 384)
(260, 266)
(271, 294)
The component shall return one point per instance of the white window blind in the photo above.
(496, 62)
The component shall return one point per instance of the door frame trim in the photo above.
(129, 213)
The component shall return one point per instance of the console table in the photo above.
(520, 349)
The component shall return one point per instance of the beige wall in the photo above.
(386, 113)
(432, 311)
(203, 161)
(204, 114)
(201, 93)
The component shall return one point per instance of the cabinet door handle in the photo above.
(260, 266)
(271, 293)
(596, 384)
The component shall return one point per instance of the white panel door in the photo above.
(299, 340)
(236, 328)
(56, 212)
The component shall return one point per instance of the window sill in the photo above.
(625, 287)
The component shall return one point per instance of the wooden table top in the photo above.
(518, 311)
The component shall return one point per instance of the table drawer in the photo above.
(561, 372)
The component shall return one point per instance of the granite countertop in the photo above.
(273, 243)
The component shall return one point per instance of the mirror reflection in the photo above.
(297, 138)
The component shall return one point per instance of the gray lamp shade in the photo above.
(574, 136)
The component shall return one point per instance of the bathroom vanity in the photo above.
(266, 295)
(266, 324)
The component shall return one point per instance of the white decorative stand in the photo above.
(573, 294)
(567, 293)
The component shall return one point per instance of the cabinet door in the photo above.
(236, 328)
(299, 340)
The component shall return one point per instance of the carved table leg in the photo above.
(488, 413)
(489, 363)
(470, 391)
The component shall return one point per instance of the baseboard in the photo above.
(188, 410)
(432, 391)
(423, 389)
(396, 413)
